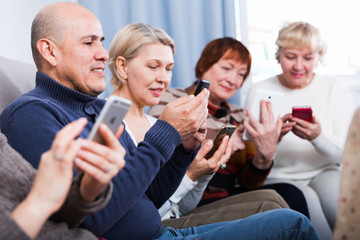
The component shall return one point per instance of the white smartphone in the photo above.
(112, 115)
(253, 103)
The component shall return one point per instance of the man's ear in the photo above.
(121, 67)
(47, 49)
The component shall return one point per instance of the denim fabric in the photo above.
(275, 224)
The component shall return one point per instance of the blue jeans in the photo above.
(274, 224)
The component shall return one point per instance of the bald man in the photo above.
(67, 47)
(66, 42)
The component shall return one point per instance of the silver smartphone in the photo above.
(253, 103)
(112, 115)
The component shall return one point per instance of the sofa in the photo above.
(16, 78)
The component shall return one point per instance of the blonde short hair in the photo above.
(300, 35)
(128, 42)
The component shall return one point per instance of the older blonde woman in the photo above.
(309, 153)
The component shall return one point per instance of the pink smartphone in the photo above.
(302, 112)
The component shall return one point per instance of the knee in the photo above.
(269, 205)
(294, 220)
(291, 217)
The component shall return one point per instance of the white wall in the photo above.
(15, 23)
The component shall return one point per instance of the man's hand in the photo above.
(188, 115)
(100, 163)
(201, 166)
(264, 134)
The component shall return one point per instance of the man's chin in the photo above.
(96, 93)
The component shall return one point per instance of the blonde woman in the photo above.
(309, 153)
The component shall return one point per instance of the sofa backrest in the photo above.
(16, 78)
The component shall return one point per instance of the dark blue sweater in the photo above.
(152, 172)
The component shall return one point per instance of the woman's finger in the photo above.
(110, 139)
(94, 159)
(65, 136)
(221, 149)
(225, 157)
(206, 147)
(100, 175)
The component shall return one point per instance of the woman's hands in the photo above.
(301, 128)
(264, 134)
(52, 182)
(188, 116)
(55, 174)
(287, 125)
(100, 163)
(202, 166)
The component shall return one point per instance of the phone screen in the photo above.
(225, 130)
(302, 112)
(202, 84)
(253, 103)
(112, 115)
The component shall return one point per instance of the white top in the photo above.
(333, 106)
(188, 194)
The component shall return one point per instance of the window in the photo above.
(336, 20)
(258, 23)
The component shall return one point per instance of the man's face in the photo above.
(81, 57)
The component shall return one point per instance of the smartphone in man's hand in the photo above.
(112, 115)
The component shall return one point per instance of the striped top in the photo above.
(239, 168)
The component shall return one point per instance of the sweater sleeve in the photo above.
(142, 165)
(16, 177)
(240, 166)
(251, 177)
(170, 176)
(330, 142)
(192, 198)
(75, 209)
(9, 229)
(30, 129)
(186, 186)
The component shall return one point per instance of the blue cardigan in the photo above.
(152, 172)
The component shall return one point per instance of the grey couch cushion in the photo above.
(16, 78)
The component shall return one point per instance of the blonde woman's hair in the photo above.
(129, 41)
(300, 35)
